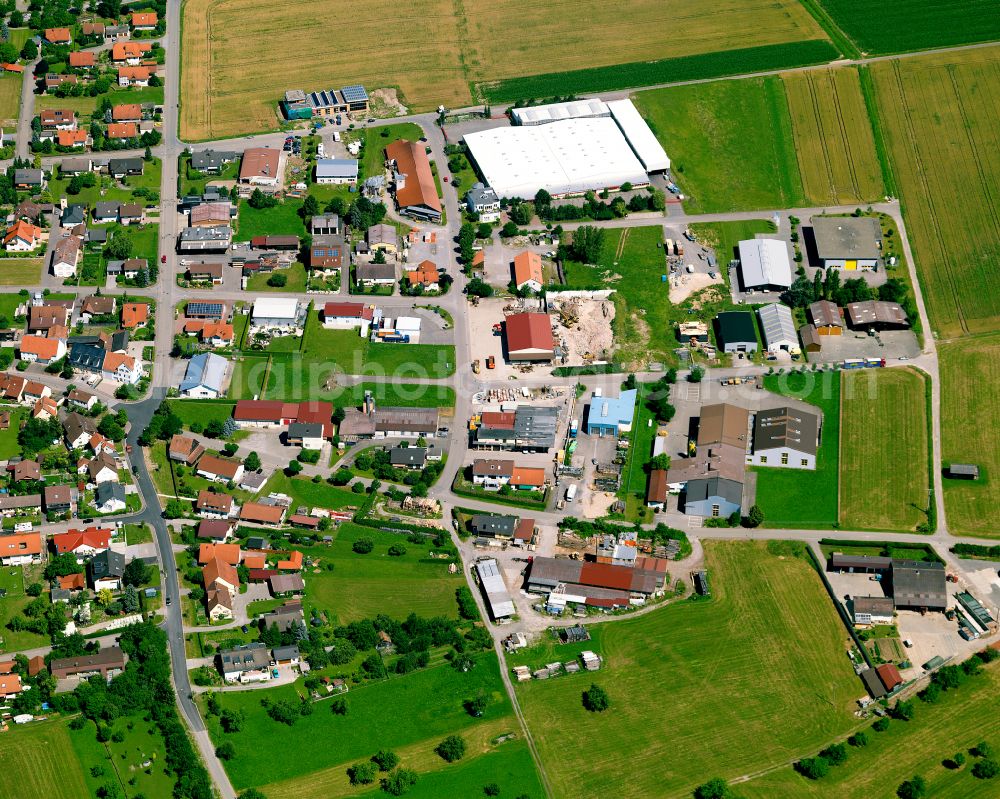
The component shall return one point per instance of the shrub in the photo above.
(399, 781)
(397, 550)
(363, 546)
(595, 699)
(813, 768)
(986, 769)
(859, 739)
(225, 751)
(385, 759)
(362, 773)
(881, 725)
(903, 710)
(913, 788)
(835, 754)
(338, 706)
(451, 748)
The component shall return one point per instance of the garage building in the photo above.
(779, 328)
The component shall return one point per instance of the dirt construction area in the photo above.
(585, 326)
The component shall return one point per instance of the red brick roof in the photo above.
(529, 331)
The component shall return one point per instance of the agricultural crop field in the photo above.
(721, 160)
(441, 50)
(409, 714)
(959, 721)
(969, 433)
(833, 137)
(803, 498)
(938, 115)
(46, 763)
(895, 26)
(362, 586)
(883, 411)
(751, 678)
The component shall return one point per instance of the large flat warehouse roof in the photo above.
(571, 156)
(643, 141)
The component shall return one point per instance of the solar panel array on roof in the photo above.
(354, 94)
(204, 308)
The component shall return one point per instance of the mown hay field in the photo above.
(969, 432)
(39, 760)
(938, 115)
(959, 721)
(753, 677)
(730, 143)
(240, 56)
(833, 137)
(895, 26)
(883, 446)
(10, 97)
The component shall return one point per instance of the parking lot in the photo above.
(888, 344)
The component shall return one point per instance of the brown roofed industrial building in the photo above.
(416, 192)
(529, 337)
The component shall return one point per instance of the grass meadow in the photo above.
(884, 446)
(800, 498)
(122, 761)
(409, 714)
(724, 237)
(447, 53)
(895, 26)
(833, 139)
(751, 678)
(937, 114)
(969, 433)
(10, 96)
(362, 586)
(955, 724)
(721, 160)
(41, 761)
(14, 601)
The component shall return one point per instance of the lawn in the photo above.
(295, 280)
(107, 189)
(10, 96)
(802, 498)
(377, 139)
(47, 763)
(203, 411)
(895, 26)
(86, 106)
(969, 433)
(833, 138)
(635, 478)
(362, 586)
(12, 580)
(122, 762)
(9, 446)
(446, 53)
(937, 114)
(749, 679)
(959, 721)
(304, 491)
(281, 220)
(884, 411)
(730, 143)
(410, 714)
(196, 185)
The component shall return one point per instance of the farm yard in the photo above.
(751, 678)
(833, 137)
(894, 26)
(224, 95)
(884, 411)
(969, 433)
(720, 162)
(797, 498)
(921, 746)
(938, 116)
(409, 714)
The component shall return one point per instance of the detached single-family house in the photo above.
(144, 20)
(40, 349)
(211, 505)
(19, 549)
(57, 499)
(107, 569)
(373, 275)
(29, 179)
(307, 435)
(219, 470)
(22, 236)
(246, 663)
(528, 271)
(426, 276)
(110, 497)
(185, 449)
(482, 200)
(65, 256)
(492, 473)
(123, 368)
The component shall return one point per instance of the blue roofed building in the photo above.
(205, 376)
(611, 416)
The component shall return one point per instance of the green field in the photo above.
(409, 714)
(10, 96)
(752, 678)
(800, 498)
(895, 26)
(85, 106)
(283, 219)
(969, 433)
(955, 724)
(635, 477)
(647, 73)
(730, 143)
(12, 580)
(122, 762)
(9, 446)
(40, 760)
(937, 114)
(295, 277)
(833, 140)
(884, 411)
(377, 139)
(203, 411)
(362, 586)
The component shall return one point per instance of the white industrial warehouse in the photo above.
(765, 265)
(568, 148)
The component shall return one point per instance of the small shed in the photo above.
(963, 471)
